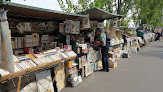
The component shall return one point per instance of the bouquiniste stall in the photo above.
(56, 48)
(35, 47)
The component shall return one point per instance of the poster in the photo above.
(80, 62)
(68, 39)
(75, 27)
(28, 26)
(84, 60)
(68, 26)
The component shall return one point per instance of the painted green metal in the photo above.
(40, 9)
(126, 27)
(101, 16)
(116, 45)
(117, 15)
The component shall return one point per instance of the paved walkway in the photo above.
(141, 72)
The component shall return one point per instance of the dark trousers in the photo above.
(105, 61)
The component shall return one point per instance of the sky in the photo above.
(48, 4)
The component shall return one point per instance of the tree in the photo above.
(5, 0)
(148, 12)
(142, 11)
(77, 6)
(123, 7)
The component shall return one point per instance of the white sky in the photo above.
(47, 4)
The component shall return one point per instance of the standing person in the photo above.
(158, 36)
(104, 44)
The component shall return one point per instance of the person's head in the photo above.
(98, 31)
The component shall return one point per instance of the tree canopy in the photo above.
(148, 12)
(142, 11)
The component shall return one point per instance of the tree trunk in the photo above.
(119, 7)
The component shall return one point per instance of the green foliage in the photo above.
(82, 5)
(5, 0)
(125, 22)
(143, 11)
(148, 12)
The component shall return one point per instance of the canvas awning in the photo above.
(99, 14)
(35, 12)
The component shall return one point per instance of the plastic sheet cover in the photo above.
(6, 54)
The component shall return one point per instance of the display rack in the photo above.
(116, 45)
(32, 14)
(29, 71)
(93, 21)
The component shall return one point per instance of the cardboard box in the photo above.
(28, 36)
(45, 39)
(111, 55)
(118, 24)
(20, 28)
(46, 36)
(99, 63)
(69, 64)
(35, 42)
(112, 65)
(28, 42)
(84, 23)
(112, 32)
(94, 24)
(35, 36)
(35, 39)
(119, 35)
(61, 27)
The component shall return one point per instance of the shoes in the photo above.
(107, 70)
